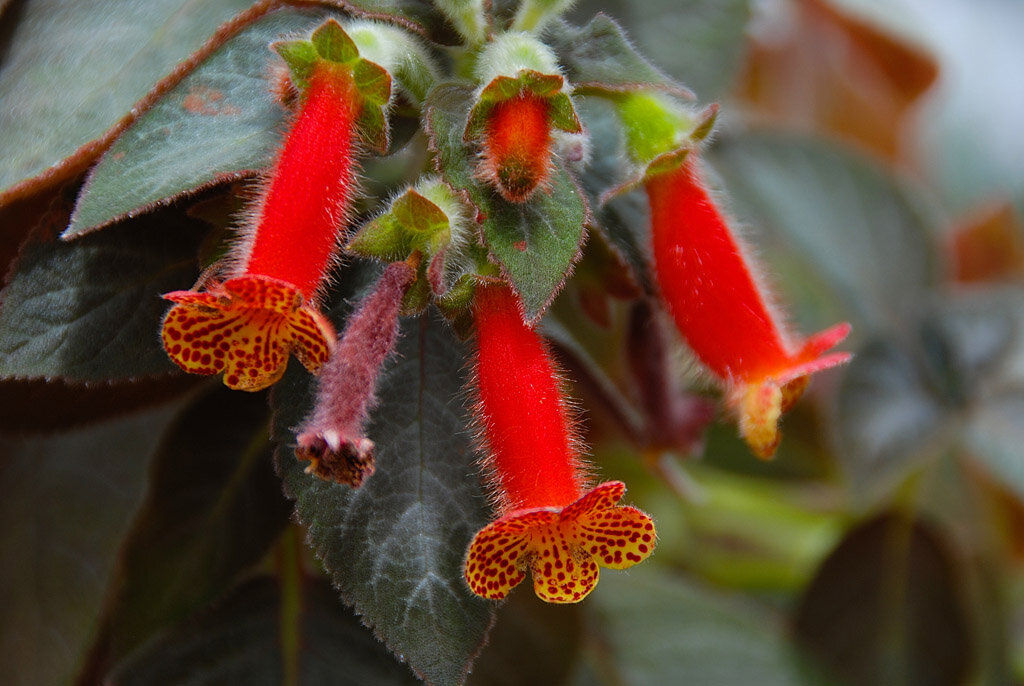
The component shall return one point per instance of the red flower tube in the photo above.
(547, 523)
(516, 154)
(709, 288)
(248, 325)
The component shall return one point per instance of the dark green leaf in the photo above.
(844, 238)
(238, 642)
(66, 502)
(957, 382)
(337, 650)
(91, 310)
(418, 16)
(886, 607)
(888, 417)
(72, 70)
(984, 336)
(658, 630)
(222, 121)
(598, 58)
(36, 406)
(700, 42)
(213, 509)
(624, 219)
(394, 547)
(537, 242)
(995, 436)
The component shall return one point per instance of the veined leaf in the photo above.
(394, 547)
(68, 500)
(67, 103)
(660, 629)
(213, 509)
(625, 219)
(835, 228)
(536, 242)
(700, 42)
(887, 607)
(955, 384)
(73, 70)
(239, 642)
(91, 310)
(222, 121)
(599, 58)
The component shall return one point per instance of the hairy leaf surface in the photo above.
(394, 547)
(536, 242)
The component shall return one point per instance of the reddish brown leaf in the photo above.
(989, 245)
(835, 73)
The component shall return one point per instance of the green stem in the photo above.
(289, 568)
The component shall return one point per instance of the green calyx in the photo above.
(653, 124)
(456, 303)
(400, 53)
(549, 87)
(427, 219)
(412, 223)
(426, 224)
(332, 48)
(659, 136)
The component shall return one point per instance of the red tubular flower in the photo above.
(547, 522)
(517, 146)
(248, 325)
(709, 289)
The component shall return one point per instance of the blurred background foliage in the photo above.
(873, 154)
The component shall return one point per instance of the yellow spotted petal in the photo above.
(617, 538)
(562, 548)
(602, 497)
(562, 573)
(493, 564)
(246, 328)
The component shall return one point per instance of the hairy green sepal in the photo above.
(549, 87)
(329, 46)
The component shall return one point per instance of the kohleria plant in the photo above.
(431, 187)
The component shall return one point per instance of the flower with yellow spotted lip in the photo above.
(562, 547)
(248, 325)
(245, 327)
(547, 522)
(711, 288)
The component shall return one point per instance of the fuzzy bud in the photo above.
(533, 15)
(467, 16)
(513, 52)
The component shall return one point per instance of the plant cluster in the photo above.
(470, 223)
